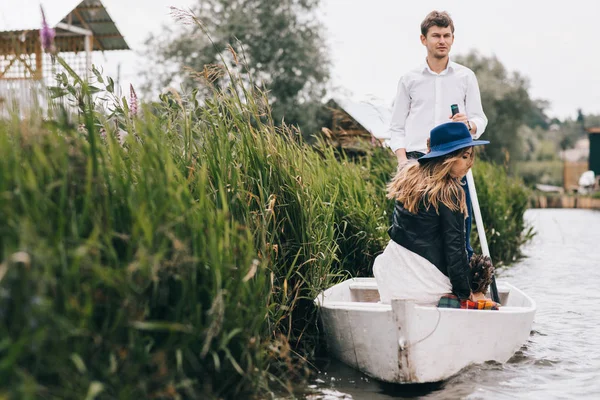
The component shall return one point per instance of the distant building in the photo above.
(575, 163)
(358, 125)
(594, 151)
(554, 127)
(82, 27)
(579, 153)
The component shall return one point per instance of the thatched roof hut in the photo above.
(358, 126)
(82, 27)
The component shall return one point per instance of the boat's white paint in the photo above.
(404, 342)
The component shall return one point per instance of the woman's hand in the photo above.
(477, 296)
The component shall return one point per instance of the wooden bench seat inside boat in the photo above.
(366, 292)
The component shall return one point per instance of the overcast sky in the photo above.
(372, 43)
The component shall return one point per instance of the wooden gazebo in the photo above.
(82, 27)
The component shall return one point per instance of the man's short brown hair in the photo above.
(436, 18)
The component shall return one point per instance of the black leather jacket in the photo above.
(439, 238)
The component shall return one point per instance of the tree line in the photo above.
(281, 44)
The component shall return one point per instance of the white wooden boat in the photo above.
(404, 342)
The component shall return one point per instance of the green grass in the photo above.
(503, 201)
(184, 262)
(545, 172)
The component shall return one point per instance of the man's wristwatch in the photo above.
(469, 125)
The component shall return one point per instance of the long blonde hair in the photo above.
(429, 183)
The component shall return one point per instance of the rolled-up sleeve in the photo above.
(453, 232)
(474, 109)
(398, 121)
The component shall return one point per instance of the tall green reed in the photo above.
(503, 200)
(182, 261)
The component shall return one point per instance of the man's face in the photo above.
(438, 41)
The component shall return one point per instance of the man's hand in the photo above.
(460, 117)
(401, 156)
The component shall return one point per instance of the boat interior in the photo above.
(366, 292)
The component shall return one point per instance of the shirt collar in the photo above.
(449, 67)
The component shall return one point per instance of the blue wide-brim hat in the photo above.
(449, 137)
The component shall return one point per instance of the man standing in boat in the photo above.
(425, 96)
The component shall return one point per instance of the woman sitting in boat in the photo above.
(426, 257)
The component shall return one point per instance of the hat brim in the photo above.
(442, 152)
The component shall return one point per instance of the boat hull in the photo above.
(405, 342)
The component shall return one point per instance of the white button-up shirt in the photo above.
(423, 102)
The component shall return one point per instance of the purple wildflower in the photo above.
(47, 35)
(133, 101)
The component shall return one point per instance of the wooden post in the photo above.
(39, 60)
(88, 55)
(565, 177)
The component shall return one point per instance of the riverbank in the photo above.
(565, 201)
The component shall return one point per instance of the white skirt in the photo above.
(400, 273)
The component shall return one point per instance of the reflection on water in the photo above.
(562, 357)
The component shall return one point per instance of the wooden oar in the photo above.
(481, 231)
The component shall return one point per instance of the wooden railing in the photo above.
(564, 201)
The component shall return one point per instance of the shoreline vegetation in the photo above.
(174, 251)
